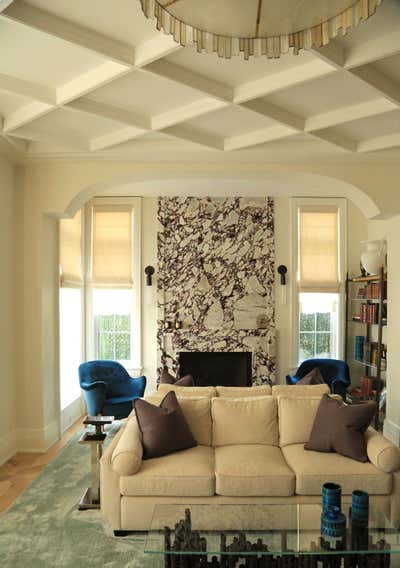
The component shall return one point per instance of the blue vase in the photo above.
(359, 508)
(331, 496)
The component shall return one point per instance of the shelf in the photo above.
(371, 300)
(366, 364)
(372, 278)
(384, 323)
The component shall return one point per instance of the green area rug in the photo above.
(43, 528)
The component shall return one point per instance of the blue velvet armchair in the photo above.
(108, 388)
(334, 372)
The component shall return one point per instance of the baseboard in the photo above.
(392, 432)
(38, 439)
(8, 446)
(72, 413)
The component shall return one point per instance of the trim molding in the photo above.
(38, 439)
(392, 432)
(71, 414)
(8, 445)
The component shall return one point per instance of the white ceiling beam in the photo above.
(26, 114)
(196, 136)
(116, 114)
(185, 113)
(281, 80)
(27, 89)
(20, 145)
(332, 53)
(374, 49)
(153, 49)
(379, 143)
(331, 136)
(9, 150)
(278, 114)
(256, 137)
(115, 138)
(347, 114)
(182, 76)
(45, 22)
(381, 83)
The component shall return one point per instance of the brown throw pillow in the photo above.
(186, 381)
(166, 378)
(163, 428)
(341, 428)
(314, 377)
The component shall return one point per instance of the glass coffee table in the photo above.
(273, 536)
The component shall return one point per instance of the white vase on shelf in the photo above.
(373, 255)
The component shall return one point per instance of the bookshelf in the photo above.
(366, 318)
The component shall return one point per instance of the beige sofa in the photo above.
(250, 450)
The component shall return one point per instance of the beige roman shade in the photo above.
(112, 247)
(319, 249)
(70, 252)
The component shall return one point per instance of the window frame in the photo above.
(135, 364)
(341, 204)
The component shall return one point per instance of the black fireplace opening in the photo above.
(216, 368)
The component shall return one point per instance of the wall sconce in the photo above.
(282, 270)
(149, 271)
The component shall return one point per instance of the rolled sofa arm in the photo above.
(381, 452)
(128, 453)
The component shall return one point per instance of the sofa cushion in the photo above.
(244, 421)
(296, 391)
(296, 418)
(187, 391)
(312, 469)
(252, 470)
(189, 473)
(244, 392)
(197, 412)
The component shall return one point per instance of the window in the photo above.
(113, 280)
(320, 235)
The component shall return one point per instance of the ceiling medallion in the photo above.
(257, 27)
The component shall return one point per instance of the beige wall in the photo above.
(7, 263)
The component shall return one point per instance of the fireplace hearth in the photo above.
(215, 368)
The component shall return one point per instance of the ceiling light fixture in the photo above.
(257, 27)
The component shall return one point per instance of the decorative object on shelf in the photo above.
(373, 255)
(91, 497)
(149, 271)
(359, 508)
(256, 27)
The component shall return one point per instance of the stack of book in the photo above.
(369, 313)
(372, 291)
(359, 348)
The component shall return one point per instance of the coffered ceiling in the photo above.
(94, 78)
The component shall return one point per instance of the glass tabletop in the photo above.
(263, 530)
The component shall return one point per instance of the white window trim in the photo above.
(341, 204)
(135, 368)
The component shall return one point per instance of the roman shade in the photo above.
(70, 252)
(319, 249)
(112, 247)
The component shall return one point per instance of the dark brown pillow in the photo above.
(166, 378)
(341, 428)
(164, 428)
(314, 377)
(186, 381)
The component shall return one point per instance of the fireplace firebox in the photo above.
(216, 368)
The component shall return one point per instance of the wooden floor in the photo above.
(19, 471)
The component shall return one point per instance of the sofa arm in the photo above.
(109, 486)
(128, 453)
(381, 452)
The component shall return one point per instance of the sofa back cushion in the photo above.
(244, 421)
(187, 391)
(296, 418)
(297, 391)
(197, 411)
(243, 392)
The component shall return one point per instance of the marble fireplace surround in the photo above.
(215, 277)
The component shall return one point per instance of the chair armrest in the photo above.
(94, 385)
(128, 453)
(131, 386)
(381, 452)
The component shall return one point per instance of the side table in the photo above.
(91, 498)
